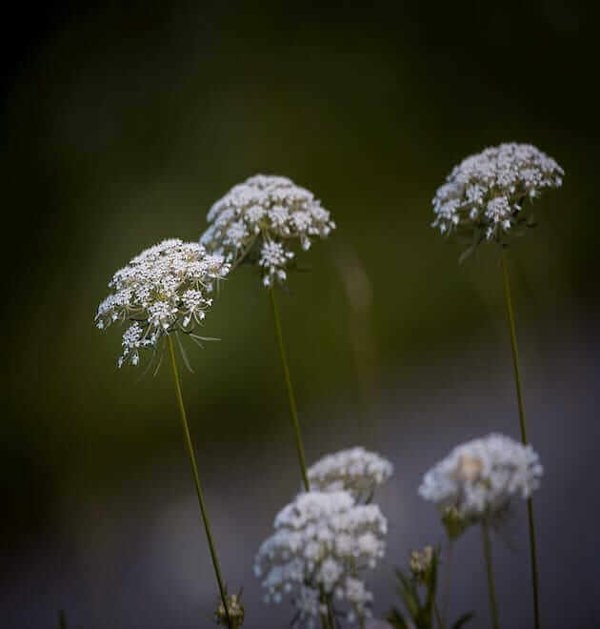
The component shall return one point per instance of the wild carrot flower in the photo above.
(165, 289)
(323, 542)
(485, 197)
(259, 220)
(478, 479)
(355, 470)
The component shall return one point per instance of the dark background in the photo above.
(121, 125)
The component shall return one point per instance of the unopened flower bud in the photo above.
(420, 563)
(235, 609)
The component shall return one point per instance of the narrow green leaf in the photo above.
(463, 620)
(396, 619)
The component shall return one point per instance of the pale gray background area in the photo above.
(139, 559)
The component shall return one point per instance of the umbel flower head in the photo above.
(323, 542)
(165, 289)
(259, 220)
(355, 470)
(478, 479)
(487, 196)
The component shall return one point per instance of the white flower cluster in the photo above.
(164, 289)
(483, 196)
(355, 470)
(259, 218)
(479, 478)
(322, 542)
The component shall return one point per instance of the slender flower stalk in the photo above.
(192, 457)
(327, 620)
(488, 197)
(510, 314)
(261, 222)
(290, 391)
(487, 553)
(438, 617)
(62, 619)
(447, 579)
(166, 291)
(523, 424)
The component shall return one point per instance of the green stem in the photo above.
(515, 348)
(517, 371)
(327, 619)
(330, 617)
(290, 391)
(487, 553)
(325, 622)
(192, 457)
(62, 619)
(447, 579)
(438, 616)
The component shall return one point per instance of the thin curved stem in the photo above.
(330, 616)
(523, 424)
(62, 619)
(447, 579)
(327, 619)
(192, 456)
(487, 553)
(290, 391)
(438, 616)
(515, 348)
(325, 622)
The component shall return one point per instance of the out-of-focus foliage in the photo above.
(418, 591)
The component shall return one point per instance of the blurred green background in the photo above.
(122, 124)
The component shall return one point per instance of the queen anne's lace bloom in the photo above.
(258, 220)
(483, 197)
(355, 470)
(323, 541)
(479, 478)
(164, 289)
